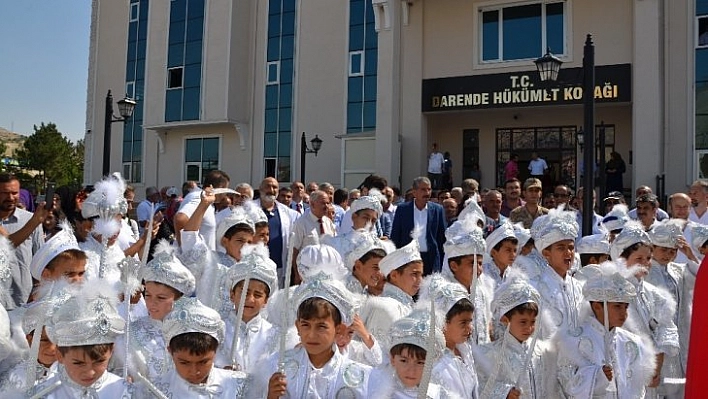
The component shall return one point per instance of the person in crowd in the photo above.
(531, 209)
(512, 192)
(615, 169)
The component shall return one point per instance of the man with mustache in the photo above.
(699, 202)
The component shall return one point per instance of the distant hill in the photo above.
(11, 140)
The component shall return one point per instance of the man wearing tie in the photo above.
(297, 203)
(427, 216)
(312, 225)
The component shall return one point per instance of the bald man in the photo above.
(680, 208)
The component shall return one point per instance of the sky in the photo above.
(44, 48)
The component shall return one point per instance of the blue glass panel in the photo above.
(288, 5)
(355, 63)
(274, 7)
(193, 150)
(193, 52)
(283, 169)
(195, 9)
(137, 134)
(272, 73)
(370, 88)
(176, 34)
(369, 115)
(356, 38)
(273, 48)
(490, 35)
(195, 29)
(554, 28)
(173, 105)
(701, 132)
(354, 116)
(271, 97)
(128, 132)
(138, 112)
(190, 110)
(134, 11)
(372, 38)
(192, 75)
(133, 31)
(270, 141)
(210, 149)
(369, 10)
(522, 32)
(702, 98)
(129, 71)
(286, 71)
(127, 151)
(140, 50)
(271, 121)
(701, 7)
(371, 62)
(175, 55)
(140, 69)
(144, 7)
(288, 49)
(142, 31)
(355, 89)
(286, 95)
(285, 118)
(701, 65)
(288, 23)
(274, 25)
(356, 12)
(134, 1)
(284, 139)
(178, 10)
(132, 46)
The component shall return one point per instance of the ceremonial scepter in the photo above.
(428, 368)
(286, 303)
(239, 317)
(529, 356)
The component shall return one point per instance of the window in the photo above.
(134, 12)
(132, 144)
(356, 63)
(130, 89)
(201, 157)
(702, 31)
(522, 31)
(174, 78)
(273, 72)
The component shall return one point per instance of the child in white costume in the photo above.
(595, 363)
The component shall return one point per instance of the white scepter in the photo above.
(286, 303)
(47, 390)
(239, 321)
(608, 354)
(431, 350)
(150, 386)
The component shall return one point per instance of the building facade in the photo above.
(233, 85)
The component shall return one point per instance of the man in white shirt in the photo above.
(313, 224)
(152, 197)
(699, 202)
(297, 203)
(537, 166)
(435, 167)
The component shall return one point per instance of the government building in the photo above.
(234, 84)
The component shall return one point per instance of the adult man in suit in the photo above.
(280, 223)
(428, 216)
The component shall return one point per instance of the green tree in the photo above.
(52, 155)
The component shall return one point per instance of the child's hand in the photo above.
(277, 386)
(608, 372)
(514, 394)
(360, 330)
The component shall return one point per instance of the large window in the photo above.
(363, 61)
(701, 94)
(201, 156)
(132, 149)
(184, 60)
(279, 89)
(523, 31)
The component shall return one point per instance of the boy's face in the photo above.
(521, 325)
(193, 368)
(344, 339)
(256, 298)
(505, 255)
(234, 244)
(262, 235)
(317, 335)
(408, 368)
(616, 313)
(465, 268)
(364, 218)
(640, 257)
(408, 278)
(368, 273)
(71, 269)
(81, 368)
(458, 329)
(560, 256)
(159, 300)
(47, 350)
(664, 255)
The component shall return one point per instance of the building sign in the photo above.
(613, 84)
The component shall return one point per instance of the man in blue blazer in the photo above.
(427, 215)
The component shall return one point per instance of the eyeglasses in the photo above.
(559, 195)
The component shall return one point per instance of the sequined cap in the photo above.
(632, 233)
(189, 315)
(356, 244)
(106, 201)
(473, 212)
(257, 265)
(515, 290)
(667, 233)
(372, 202)
(321, 285)
(238, 215)
(522, 235)
(402, 256)
(557, 226)
(616, 218)
(255, 212)
(604, 283)
(88, 317)
(62, 241)
(414, 329)
(444, 293)
(166, 268)
(464, 237)
(593, 244)
(313, 259)
(699, 235)
(501, 233)
(48, 296)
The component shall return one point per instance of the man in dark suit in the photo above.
(430, 217)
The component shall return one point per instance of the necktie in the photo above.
(298, 208)
(322, 231)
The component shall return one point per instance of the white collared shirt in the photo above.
(420, 220)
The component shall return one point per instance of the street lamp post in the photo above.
(304, 150)
(125, 108)
(548, 67)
